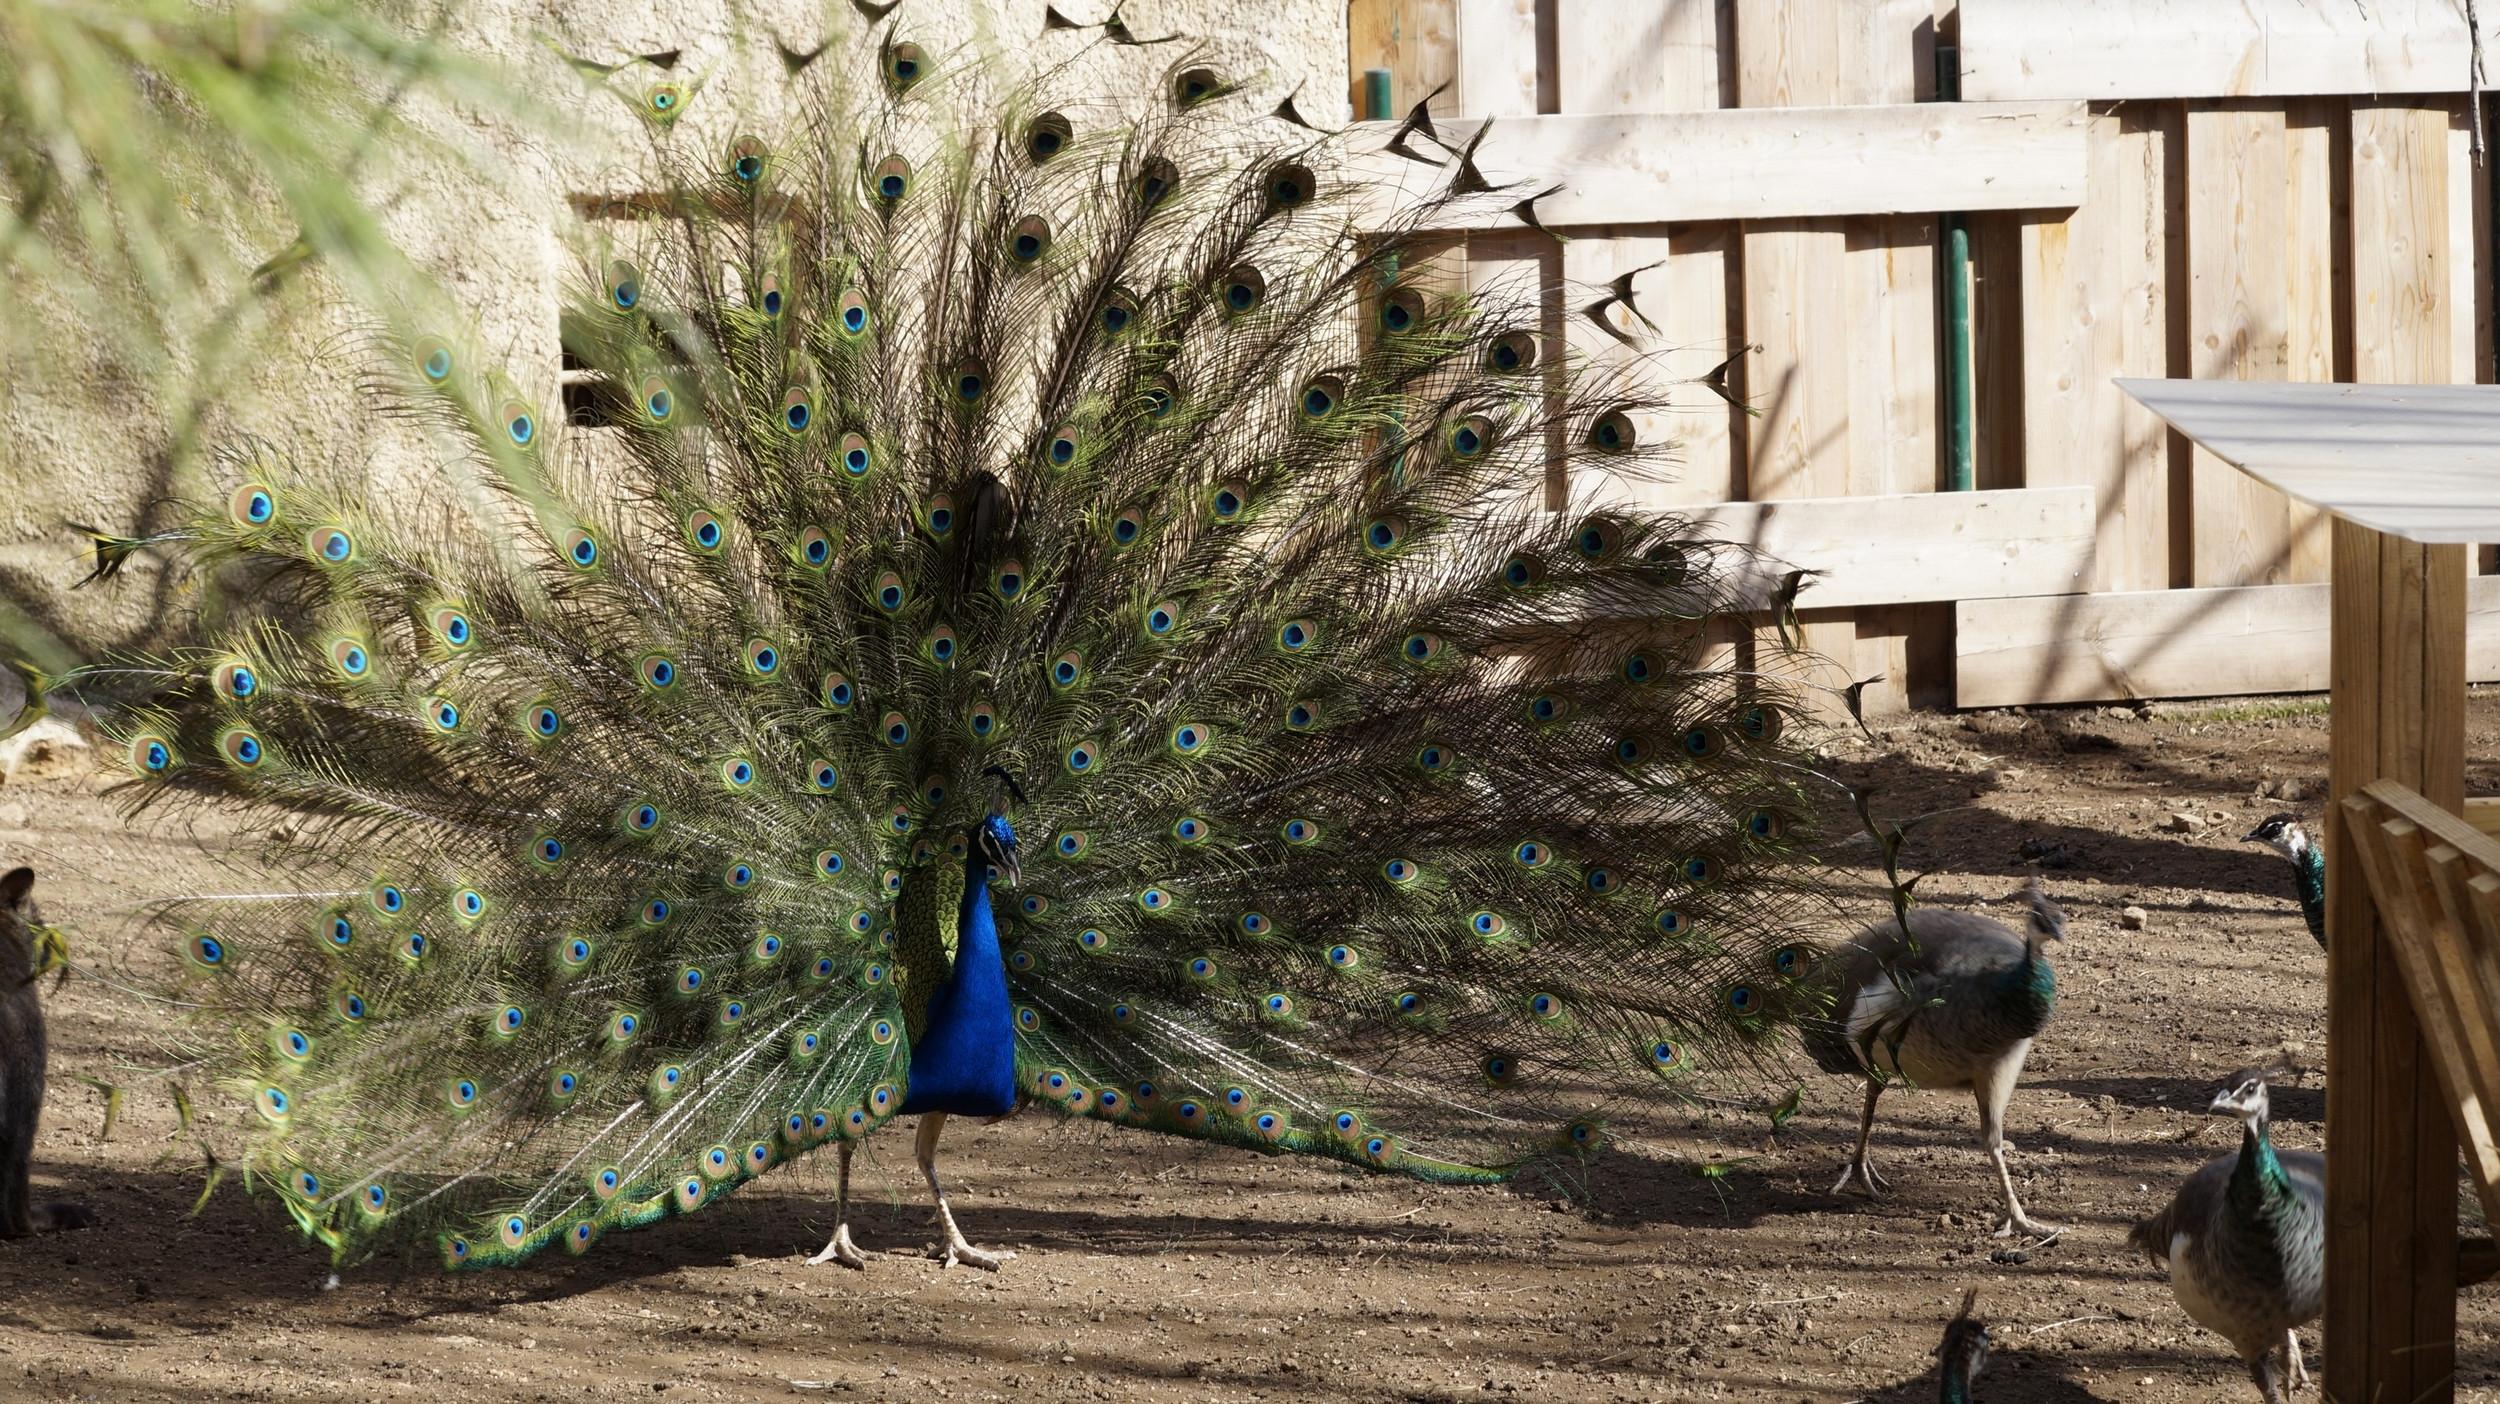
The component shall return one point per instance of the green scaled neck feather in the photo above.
(972, 424)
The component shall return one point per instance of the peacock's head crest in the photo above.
(2282, 833)
(2243, 1095)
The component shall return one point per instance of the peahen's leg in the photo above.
(2297, 1371)
(840, 1249)
(1859, 1165)
(933, 1124)
(1993, 1089)
(2262, 1371)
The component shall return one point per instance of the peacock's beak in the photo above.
(1008, 871)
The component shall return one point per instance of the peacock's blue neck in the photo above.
(1956, 1388)
(964, 1061)
(2309, 875)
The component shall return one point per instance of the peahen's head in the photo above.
(2243, 1095)
(2282, 833)
(1964, 1350)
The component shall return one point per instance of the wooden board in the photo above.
(2404, 289)
(1796, 279)
(1888, 279)
(1911, 547)
(1750, 164)
(1637, 56)
(2230, 641)
(1416, 40)
(2391, 1195)
(2097, 304)
(2239, 324)
(2112, 49)
(1497, 58)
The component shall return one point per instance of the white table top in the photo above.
(2417, 461)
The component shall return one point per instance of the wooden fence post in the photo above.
(2398, 684)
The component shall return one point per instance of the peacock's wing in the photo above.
(1370, 809)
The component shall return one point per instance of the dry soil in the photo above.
(1150, 1268)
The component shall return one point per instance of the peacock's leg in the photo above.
(2295, 1367)
(932, 1124)
(1859, 1165)
(841, 1249)
(1993, 1089)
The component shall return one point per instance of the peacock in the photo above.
(1034, 605)
(2283, 834)
(1953, 1002)
(2245, 1241)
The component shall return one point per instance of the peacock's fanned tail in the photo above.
(1370, 810)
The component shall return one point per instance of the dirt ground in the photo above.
(1150, 1268)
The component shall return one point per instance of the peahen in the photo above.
(1045, 611)
(2283, 834)
(1964, 1352)
(1956, 1005)
(2245, 1241)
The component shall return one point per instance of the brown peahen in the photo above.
(1954, 1004)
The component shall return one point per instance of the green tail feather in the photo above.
(1371, 811)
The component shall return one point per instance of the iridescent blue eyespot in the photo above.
(738, 875)
(257, 506)
(342, 932)
(1743, 1000)
(414, 947)
(376, 1199)
(1190, 830)
(545, 721)
(1400, 871)
(509, 1021)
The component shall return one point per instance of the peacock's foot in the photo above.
(1863, 1169)
(2297, 1371)
(842, 1250)
(982, 1258)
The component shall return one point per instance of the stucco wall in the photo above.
(488, 216)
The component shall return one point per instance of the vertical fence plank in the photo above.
(1890, 317)
(1496, 63)
(2399, 697)
(2239, 320)
(2095, 307)
(2312, 136)
(1416, 40)
(1637, 56)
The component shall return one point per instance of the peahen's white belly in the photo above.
(2195, 1298)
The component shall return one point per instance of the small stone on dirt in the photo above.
(2132, 919)
(2186, 824)
(50, 749)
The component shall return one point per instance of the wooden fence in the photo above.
(2269, 189)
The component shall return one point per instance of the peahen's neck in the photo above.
(2026, 995)
(2309, 875)
(2260, 1194)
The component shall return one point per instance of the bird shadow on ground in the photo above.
(2306, 1105)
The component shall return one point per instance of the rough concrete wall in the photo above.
(490, 219)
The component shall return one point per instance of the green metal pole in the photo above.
(1377, 104)
(1961, 428)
